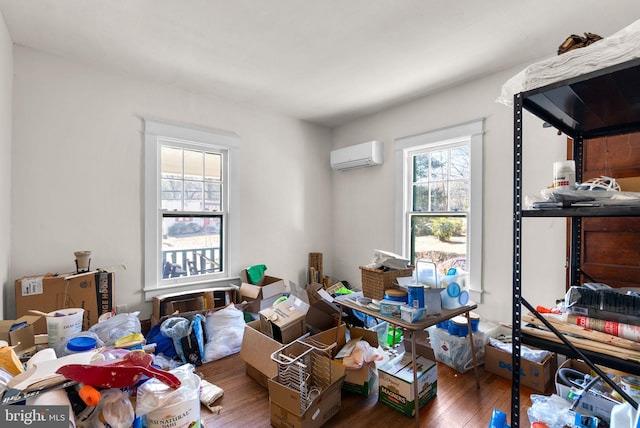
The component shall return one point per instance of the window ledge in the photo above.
(150, 293)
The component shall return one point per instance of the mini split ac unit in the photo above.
(358, 156)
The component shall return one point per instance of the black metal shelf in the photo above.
(618, 211)
(604, 102)
(595, 357)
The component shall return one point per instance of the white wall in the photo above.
(6, 82)
(78, 168)
(363, 199)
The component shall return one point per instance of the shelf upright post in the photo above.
(576, 222)
(517, 246)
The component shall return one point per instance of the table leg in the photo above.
(416, 396)
(473, 350)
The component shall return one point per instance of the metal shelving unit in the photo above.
(601, 103)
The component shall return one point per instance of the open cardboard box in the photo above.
(395, 379)
(23, 337)
(362, 380)
(538, 376)
(93, 291)
(192, 301)
(256, 351)
(263, 294)
(286, 404)
(285, 321)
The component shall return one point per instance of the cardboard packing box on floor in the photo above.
(287, 405)
(395, 383)
(286, 321)
(192, 301)
(93, 292)
(263, 294)
(360, 381)
(592, 403)
(538, 376)
(256, 351)
(22, 337)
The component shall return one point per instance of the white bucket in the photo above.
(183, 414)
(63, 323)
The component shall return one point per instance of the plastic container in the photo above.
(396, 295)
(63, 323)
(382, 328)
(415, 297)
(454, 297)
(81, 344)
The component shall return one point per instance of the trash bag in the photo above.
(164, 344)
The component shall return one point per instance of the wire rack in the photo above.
(304, 367)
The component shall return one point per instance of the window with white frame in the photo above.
(439, 195)
(190, 196)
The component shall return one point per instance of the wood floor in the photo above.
(458, 404)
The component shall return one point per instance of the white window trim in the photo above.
(153, 129)
(473, 130)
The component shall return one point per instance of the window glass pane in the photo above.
(439, 165)
(438, 197)
(459, 195)
(171, 162)
(190, 246)
(443, 241)
(193, 164)
(420, 167)
(171, 194)
(213, 197)
(193, 193)
(460, 160)
(420, 198)
(212, 166)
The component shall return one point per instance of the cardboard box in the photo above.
(269, 289)
(362, 380)
(256, 351)
(192, 301)
(284, 322)
(538, 376)
(23, 336)
(395, 380)
(423, 345)
(93, 292)
(287, 407)
(592, 403)
(323, 313)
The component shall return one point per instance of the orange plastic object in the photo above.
(89, 395)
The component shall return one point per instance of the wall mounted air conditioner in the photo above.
(358, 156)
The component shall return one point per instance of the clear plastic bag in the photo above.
(553, 410)
(117, 326)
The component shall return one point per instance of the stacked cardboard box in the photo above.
(93, 292)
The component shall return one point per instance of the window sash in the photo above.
(450, 136)
(225, 144)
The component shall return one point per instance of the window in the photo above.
(439, 200)
(190, 196)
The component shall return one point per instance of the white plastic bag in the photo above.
(117, 326)
(224, 332)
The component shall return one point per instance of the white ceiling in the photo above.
(326, 61)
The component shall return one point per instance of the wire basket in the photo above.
(304, 367)
(376, 281)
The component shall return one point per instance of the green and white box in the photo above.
(395, 380)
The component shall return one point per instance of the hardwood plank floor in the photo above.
(458, 404)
